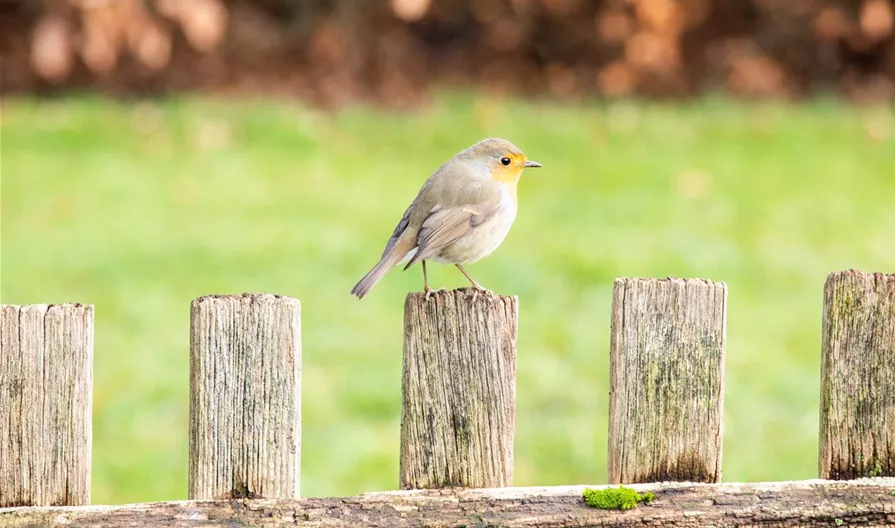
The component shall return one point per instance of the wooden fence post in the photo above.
(46, 397)
(666, 380)
(245, 390)
(459, 390)
(857, 409)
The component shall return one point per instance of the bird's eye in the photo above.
(505, 161)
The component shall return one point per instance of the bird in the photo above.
(461, 213)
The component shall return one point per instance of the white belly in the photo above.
(484, 239)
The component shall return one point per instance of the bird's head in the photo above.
(503, 160)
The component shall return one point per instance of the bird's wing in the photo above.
(444, 225)
(399, 230)
(406, 219)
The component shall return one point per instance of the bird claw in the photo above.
(476, 288)
(430, 291)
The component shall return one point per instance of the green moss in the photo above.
(839, 522)
(620, 498)
(847, 305)
(876, 470)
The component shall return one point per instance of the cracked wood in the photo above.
(245, 412)
(666, 400)
(46, 397)
(804, 504)
(459, 390)
(857, 409)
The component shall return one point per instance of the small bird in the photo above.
(461, 214)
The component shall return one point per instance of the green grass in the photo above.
(139, 208)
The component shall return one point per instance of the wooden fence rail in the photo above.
(667, 363)
(804, 504)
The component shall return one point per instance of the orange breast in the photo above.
(507, 174)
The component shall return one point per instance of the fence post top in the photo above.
(461, 291)
(50, 306)
(857, 272)
(685, 281)
(245, 297)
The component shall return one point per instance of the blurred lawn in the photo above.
(139, 208)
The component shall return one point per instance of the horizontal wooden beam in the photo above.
(861, 502)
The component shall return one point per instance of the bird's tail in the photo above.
(373, 276)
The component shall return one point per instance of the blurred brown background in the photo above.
(330, 51)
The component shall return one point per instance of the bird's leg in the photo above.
(429, 291)
(475, 285)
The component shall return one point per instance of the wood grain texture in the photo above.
(666, 380)
(459, 390)
(245, 388)
(857, 409)
(779, 505)
(46, 399)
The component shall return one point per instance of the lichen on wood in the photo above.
(667, 348)
(857, 409)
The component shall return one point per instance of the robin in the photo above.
(461, 214)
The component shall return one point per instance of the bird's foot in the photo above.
(478, 288)
(429, 291)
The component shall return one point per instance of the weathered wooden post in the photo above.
(666, 380)
(245, 389)
(459, 390)
(857, 408)
(46, 396)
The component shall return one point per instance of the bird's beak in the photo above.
(531, 164)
